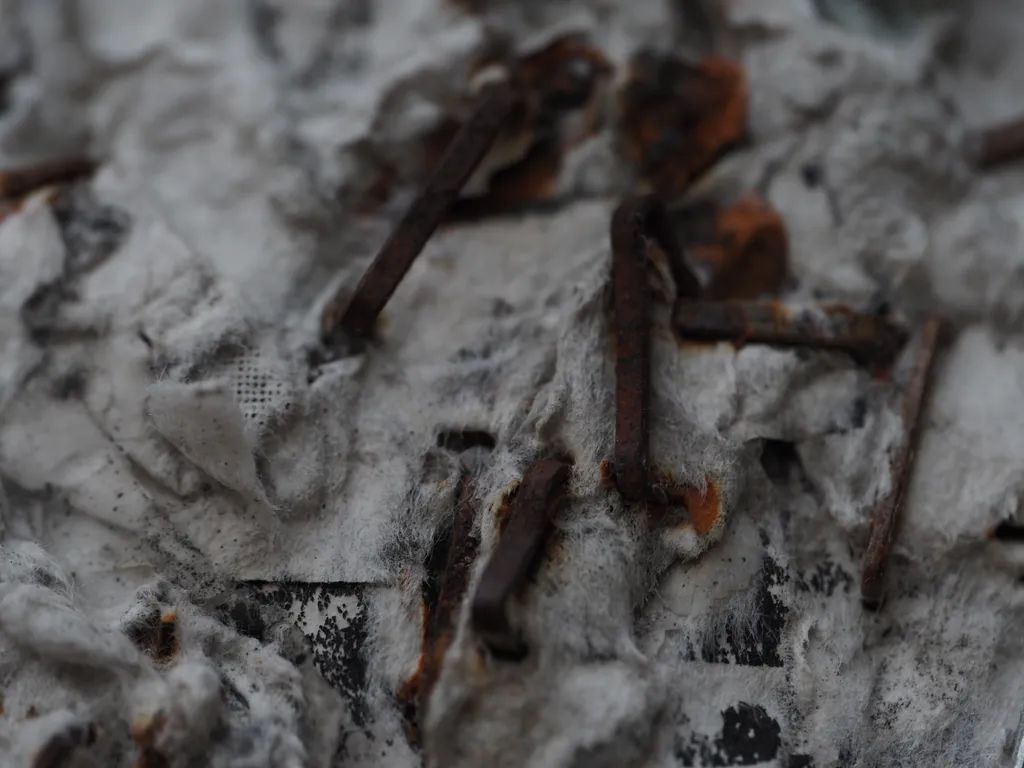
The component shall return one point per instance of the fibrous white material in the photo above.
(213, 547)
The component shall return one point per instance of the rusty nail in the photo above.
(998, 144)
(461, 555)
(886, 516)
(635, 222)
(18, 182)
(462, 156)
(516, 554)
(60, 746)
(832, 327)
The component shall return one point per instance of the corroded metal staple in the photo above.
(886, 516)
(515, 557)
(358, 315)
(637, 223)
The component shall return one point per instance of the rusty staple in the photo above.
(820, 326)
(635, 223)
(359, 314)
(886, 516)
(516, 555)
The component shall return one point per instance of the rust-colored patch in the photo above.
(563, 74)
(747, 251)
(678, 118)
(531, 181)
(607, 474)
(705, 508)
(563, 78)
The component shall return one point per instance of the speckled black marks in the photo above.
(825, 579)
(749, 736)
(760, 646)
(332, 616)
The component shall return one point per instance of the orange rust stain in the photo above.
(607, 474)
(705, 509)
(560, 78)
(678, 119)
(169, 617)
(748, 253)
(562, 75)
(533, 179)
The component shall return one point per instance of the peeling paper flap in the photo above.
(204, 422)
